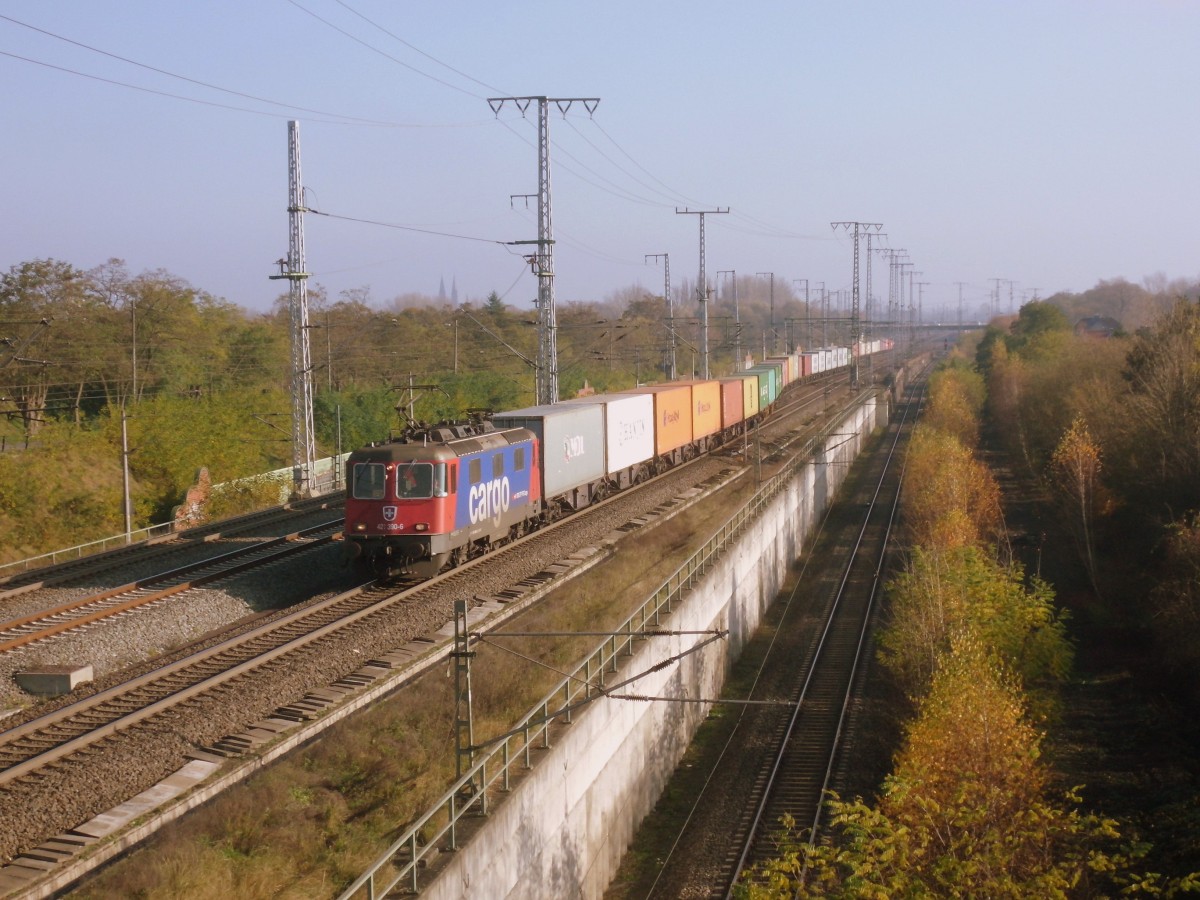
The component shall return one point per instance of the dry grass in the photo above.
(311, 823)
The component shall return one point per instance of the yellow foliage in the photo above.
(950, 498)
(956, 396)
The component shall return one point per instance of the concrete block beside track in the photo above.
(53, 681)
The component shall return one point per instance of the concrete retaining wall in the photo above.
(563, 830)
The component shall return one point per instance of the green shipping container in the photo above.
(768, 384)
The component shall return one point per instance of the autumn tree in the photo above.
(941, 597)
(43, 302)
(1075, 476)
(951, 499)
(955, 405)
(967, 812)
(1176, 598)
(1163, 412)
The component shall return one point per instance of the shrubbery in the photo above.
(968, 809)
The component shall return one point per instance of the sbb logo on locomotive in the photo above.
(489, 500)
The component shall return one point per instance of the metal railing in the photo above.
(492, 772)
(55, 557)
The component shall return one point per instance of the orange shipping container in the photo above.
(672, 415)
(733, 401)
(706, 408)
(789, 370)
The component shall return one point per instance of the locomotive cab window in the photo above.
(440, 483)
(414, 481)
(369, 481)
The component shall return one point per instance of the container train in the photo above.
(438, 496)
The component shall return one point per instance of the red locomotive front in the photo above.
(438, 497)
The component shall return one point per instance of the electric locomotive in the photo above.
(438, 496)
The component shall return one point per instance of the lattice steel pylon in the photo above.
(672, 343)
(855, 322)
(292, 269)
(702, 285)
(542, 262)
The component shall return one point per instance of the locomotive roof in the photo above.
(443, 449)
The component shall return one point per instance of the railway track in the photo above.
(95, 608)
(711, 809)
(62, 735)
(73, 736)
(808, 740)
(86, 567)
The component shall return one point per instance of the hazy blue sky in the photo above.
(1052, 142)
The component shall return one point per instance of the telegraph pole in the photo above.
(824, 315)
(807, 313)
(702, 287)
(542, 262)
(870, 307)
(995, 294)
(737, 321)
(855, 328)
(960, 301)
(906, 312)
(893, 278)
(292, 269)
(774, 327)
(666, 258)
(868, 329)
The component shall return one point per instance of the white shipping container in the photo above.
(572, 442)
(628, 426)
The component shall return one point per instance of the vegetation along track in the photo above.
(111, 766)
(130, 759)
(808, 740)
(65, 731)
(713, 802)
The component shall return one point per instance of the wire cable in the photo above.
(195, 81)
(384, 53)
(415, 49)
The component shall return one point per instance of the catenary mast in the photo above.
(542, 262)
(292, 269)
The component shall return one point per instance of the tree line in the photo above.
(198, 381)
(1109, 429)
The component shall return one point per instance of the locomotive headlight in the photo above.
(360, 526)
(421, 526)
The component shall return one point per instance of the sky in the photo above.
(1051, 143)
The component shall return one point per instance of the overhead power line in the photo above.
(416, 49)
(347, 119)
(461, 237)
(384, 53)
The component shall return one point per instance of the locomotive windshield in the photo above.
(414, 481)
(369, 481)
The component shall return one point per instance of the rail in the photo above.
(493, 770)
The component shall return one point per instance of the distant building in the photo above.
(1097, 327)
